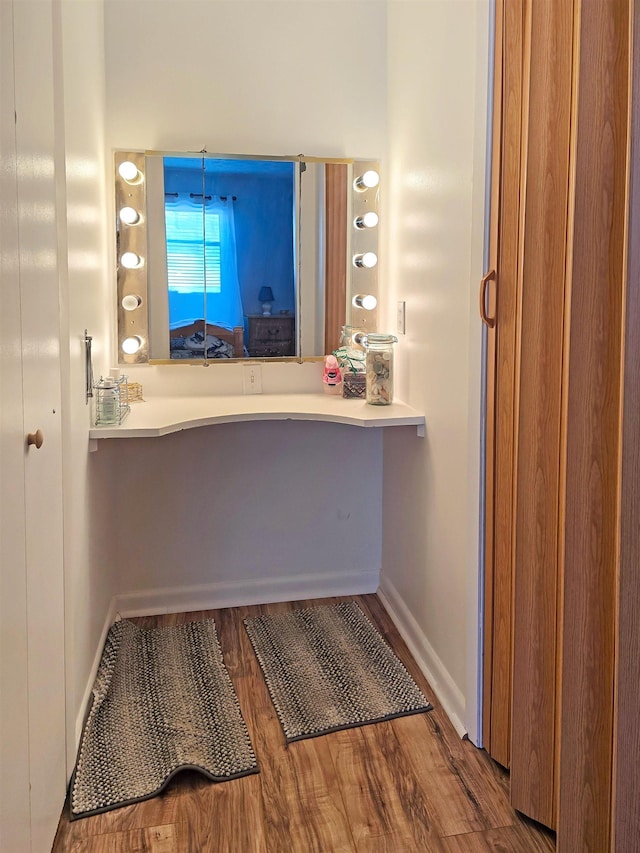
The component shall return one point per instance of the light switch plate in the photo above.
(402, 314)
(252, 378)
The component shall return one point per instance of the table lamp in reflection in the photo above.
(266, 297)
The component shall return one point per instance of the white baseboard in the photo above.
(108, 622)
(227, 594)
(243, 592)
(430, 664)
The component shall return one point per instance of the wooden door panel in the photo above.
(626, 786)
(597, 280)
(502, 353)
(575, 501)
(533, 747)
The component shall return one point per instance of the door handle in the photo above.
(490, 322)
(36, 438)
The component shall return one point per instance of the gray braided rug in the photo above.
(162, 702)
(328, 668)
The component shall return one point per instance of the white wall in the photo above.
(87, 303)
(247, 512)
(437, 67)
(282, 77)
(247, 76)
(403, 81)
(301, 503)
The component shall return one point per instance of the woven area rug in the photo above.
(162, 702)
(328, 668)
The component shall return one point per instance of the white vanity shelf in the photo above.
(163, 415)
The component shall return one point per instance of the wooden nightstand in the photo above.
(270, 335)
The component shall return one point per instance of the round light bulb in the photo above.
(129, 216)
(130, 346)
(130, 260)
(131, 302)
(366, 301)
(128, 171)
(367, 220)
(368, 180)
(367, 260)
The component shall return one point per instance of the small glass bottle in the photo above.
(379, 363)
(108, 402)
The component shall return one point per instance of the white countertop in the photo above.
(163, 415)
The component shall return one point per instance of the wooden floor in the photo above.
(409, 784)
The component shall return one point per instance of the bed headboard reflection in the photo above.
(195, 339)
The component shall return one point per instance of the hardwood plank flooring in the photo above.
(404, 786)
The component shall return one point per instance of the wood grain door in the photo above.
(502, 306)
(548, 57)
(533, 96)
(570, 495)
(536, 101)
(590, 503)
(626, 739)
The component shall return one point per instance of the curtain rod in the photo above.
(199, 195)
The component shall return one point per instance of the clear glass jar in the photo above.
(379, 364)
(107, 402)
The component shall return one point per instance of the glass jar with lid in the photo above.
(379, 366)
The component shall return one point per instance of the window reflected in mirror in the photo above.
(229, 235)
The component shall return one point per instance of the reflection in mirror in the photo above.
(243, 256)
(222, 234)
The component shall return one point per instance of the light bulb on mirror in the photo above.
(131, 345)
(129, 172)
(368, 180)
(129, 216)
(366, 260)
(367, 220)
(131, 302)
(131, 261)
(366, 301)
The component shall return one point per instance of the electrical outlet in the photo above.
(401, 322)
(252, 378)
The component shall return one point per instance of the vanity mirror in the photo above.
(225, 256)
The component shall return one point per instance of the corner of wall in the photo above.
(449, 696)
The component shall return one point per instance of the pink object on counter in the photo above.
(332, 375)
